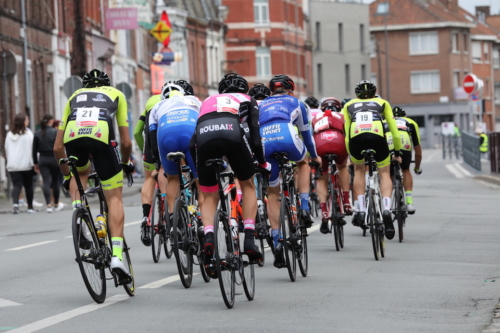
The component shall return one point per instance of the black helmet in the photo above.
(312, 102)
(398, 112)
(330, 103)
(283, 81)
(96, 78)
(233, 83)
(365, 89)
(344, 101)
(259, 91)
(188, 88)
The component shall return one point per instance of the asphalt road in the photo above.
(444, 277)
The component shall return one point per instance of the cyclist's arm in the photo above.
(305, 129)
(393, 127)
(347, 126)
(59, 151)
(254, 128)
(153, 131)
(122, 119)
(139, 130)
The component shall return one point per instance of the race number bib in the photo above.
(401, 124)
(364, 119)
(87, 117)
(227, 104)
(321, 125)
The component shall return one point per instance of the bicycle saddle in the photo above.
(331, 157)
(214, 162)
(176, 155)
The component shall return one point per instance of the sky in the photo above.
(469, 5)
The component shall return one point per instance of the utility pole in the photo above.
(29, 109)
(379, 65)
(387, 57)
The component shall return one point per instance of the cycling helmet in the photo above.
(344, 101)
(282, 81)
(188, 88)
(168, 88)
(233, 83)
(398, 112)
(259, 91)
(312, 102)
(96, 78)
(365, 89)
(330, 103)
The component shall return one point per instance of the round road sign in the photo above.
(470, 83)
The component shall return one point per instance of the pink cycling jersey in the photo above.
(223, 103)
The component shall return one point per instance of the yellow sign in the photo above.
(161, 31)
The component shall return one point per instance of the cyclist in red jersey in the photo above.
(328, 128)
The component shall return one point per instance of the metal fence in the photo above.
(451, 146)
(470, 148)
(494, 140)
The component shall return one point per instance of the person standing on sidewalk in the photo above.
(18, 151)
(47, 166)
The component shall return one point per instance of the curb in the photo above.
(490, 179)
(494, 327)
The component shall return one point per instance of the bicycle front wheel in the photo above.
(302, 256)
(398, 197)
(156, 222)
(248, 276)
(167, 235)
(334, 216)
(180, 237)
(261, 230)
(89, 255)
(129, 288)
(286, 222)
(224, 256)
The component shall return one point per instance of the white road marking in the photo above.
(463, 170)
(132, 223)
(451, 168)
(50, 321)
(68, 237)
(31, 245)
(5, 302)
(162, 282)
(492, 186)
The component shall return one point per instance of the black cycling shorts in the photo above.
(406, 159)
(218, 136)
(147, 153)
(367, 141)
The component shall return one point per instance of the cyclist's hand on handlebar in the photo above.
(317, 160)
(418, 171)
(266, 166)
(67, 180)
(128, 168)
(397, 157)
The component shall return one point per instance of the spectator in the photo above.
(48, 167)
(18, 150)
(483, 143)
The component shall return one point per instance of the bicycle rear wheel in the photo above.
(180, 236)
(167, 235)
(248, 276)
(286, 222)
(129, 288)
(334, 209)
(224, 256)
(260, 230)
(399, 209)
(156, 222)
(370, 211)
(90, 260)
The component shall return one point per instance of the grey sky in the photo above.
(470, 5)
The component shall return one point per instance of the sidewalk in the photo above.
(6, 204)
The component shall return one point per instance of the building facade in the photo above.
(275, 40)
(341, 46)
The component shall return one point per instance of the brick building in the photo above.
(275, 41)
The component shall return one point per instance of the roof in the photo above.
(481, 30)
(199, 9)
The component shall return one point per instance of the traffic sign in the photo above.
(161, 31)
(470, 83)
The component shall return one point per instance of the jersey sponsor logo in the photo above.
(81, 98)
(221, 127)
(272, 129)
(99, 98)
(329, 136)
(71, 133)
(358, 105)
(276, 138)
(98, 134)
(85, 131)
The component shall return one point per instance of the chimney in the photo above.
(482, 12)
(451, 5)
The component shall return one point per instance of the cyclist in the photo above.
(171, 125)
(278, 114)
(260, 92)
(410, 138)
(313, 105)
(329, 137)
(364, 130)
(87, 129)
(219, 133)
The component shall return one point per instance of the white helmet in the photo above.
(168, 88)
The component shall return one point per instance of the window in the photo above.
(373, 47)
(347, 78)
(261, 12)
(320, 78)
(454, 43)
(383, 8)
(318, 35)
(466, 43)
(497, 93)
(496, 58)
(486, 51)
(341, 38)
(456, 79)
(362, 37)
(373, 78)
(424, 43)
(263, 60)
(476, 51)
(425, 82)
(363, 72)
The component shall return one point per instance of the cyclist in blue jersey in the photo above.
(278, 115)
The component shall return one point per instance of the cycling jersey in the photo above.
(174, 119)
(88, 130)
(329, 137)
(139, 133)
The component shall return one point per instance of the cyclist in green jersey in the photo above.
(86, 130)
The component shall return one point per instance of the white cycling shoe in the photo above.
(411, 209)
(119, 268)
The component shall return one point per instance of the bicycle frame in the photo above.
(372, 185)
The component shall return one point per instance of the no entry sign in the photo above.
(470, 83)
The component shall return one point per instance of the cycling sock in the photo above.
(275, 233)
(304, 201)
(387, 203)
(361, 203)
(346, 198)
(323, 208)
(208, 228)
(117, 247)
(76, 202)
(249, 224)
(145, 209)
(239, 194)
(409, 197)
(356, 205)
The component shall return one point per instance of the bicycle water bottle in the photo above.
(101, 226)
(260, 206)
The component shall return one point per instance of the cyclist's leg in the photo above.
(80, 149)
(383, 164)
(407, 179)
